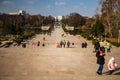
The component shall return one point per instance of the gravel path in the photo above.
(51, 63)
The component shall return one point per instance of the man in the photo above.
(68, 44)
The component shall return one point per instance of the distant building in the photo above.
(22, 12)
(58, 18)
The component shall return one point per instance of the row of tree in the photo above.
(107, 22)
(84, 24)
(14, 24)
(74, 19)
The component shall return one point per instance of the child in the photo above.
(111, 66)
(58, 45)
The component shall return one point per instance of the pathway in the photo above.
(51, 63)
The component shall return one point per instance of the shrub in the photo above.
(94, 41)
(19, 39)
(89, 38)
(4, 38)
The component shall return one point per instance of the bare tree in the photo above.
(110, 15)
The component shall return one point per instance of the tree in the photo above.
(74, 19)
(9, 28)
(110, 16)
(97, 29)
(18, 29)
(1, 23)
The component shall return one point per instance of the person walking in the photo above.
(24, 45)
(38, 44)
(64, 43)
(85, 44)
(43, 44)
(58, 45)
(68, 44)
(111, 66)
(61, 43)
(100, 59)
(108, 47)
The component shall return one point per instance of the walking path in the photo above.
(51, 63)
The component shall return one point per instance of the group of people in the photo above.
(100, 53)
(63, 44)
(84, 45)
(106, 45)
(24, 45)
(38, 43)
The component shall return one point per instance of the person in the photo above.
(43, 44)
(108, 47)
(68, 44)
(0, 43)
(85, 44)
(62, 35)
(64, 43)
(111, 66)
(72, 43)
(58, 45)
(24, 45)
(61, 43)
(38, 44)
(96, 46)
(100, 59)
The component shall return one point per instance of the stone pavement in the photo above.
(51, 63)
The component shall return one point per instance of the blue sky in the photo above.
(50, 7)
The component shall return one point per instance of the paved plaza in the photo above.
(51, 63)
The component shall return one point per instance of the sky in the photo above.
(50, 7)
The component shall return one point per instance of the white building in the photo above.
(22, 12)
(60, 18)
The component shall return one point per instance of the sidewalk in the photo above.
(51, 63)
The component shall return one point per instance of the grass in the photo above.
(112, 39)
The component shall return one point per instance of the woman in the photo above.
(111, 65)
(100, 59)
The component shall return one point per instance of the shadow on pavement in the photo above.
(117, 73)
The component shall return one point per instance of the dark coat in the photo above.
(97, 45)
(100, 59)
